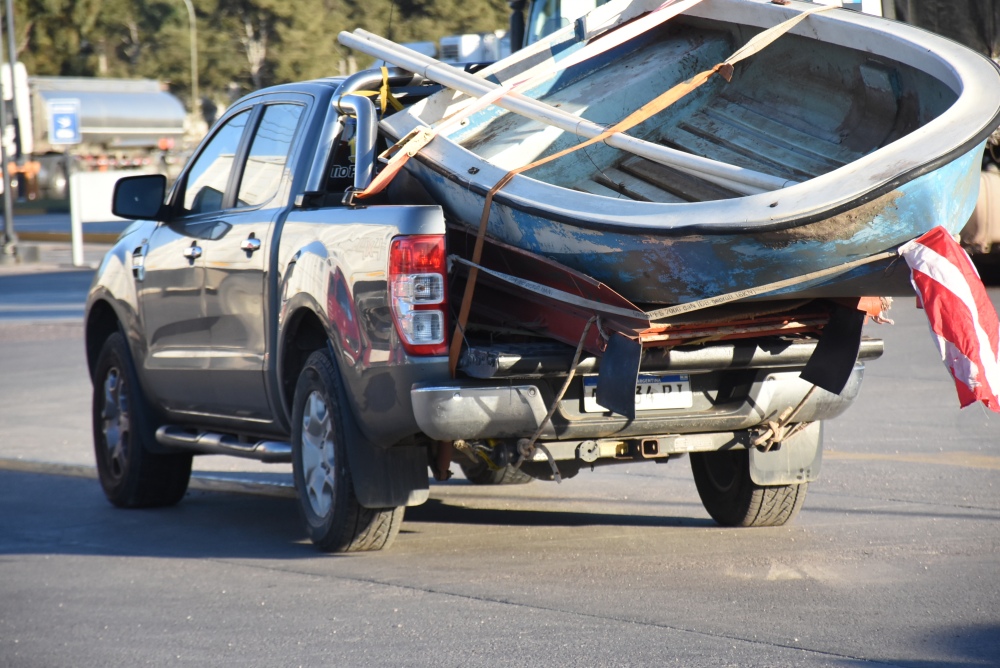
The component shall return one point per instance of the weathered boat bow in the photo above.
(865, 132)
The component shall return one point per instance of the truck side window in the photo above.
(209, 174)
(268, 154)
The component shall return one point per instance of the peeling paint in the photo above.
(841, 227)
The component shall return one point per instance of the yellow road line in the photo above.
(964, 459)
(65, 237)
(48, 468)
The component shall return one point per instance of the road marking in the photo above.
(14, 307)
(205, 482)
(965, 459)
(49, 468)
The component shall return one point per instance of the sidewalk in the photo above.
(44, 238)
(51, 257)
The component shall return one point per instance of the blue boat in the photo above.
(845, 137)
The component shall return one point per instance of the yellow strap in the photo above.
(386, 94)
(383, 93)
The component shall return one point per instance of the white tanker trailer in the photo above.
(88, 123)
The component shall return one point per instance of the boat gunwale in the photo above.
(965, 66)
(704, 229)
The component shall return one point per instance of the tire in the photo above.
(131, 475)
(734, 500)
(335, 520)
(481, 474)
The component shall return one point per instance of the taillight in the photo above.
(417, 280)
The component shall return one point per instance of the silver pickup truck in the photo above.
(251, 309)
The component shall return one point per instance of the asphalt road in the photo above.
(894, 560)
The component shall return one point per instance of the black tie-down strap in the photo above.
(832, 363)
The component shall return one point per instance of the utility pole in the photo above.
(193, 43)
(8, 244)
(14, 119)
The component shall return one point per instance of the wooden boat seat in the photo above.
(647, 181)
(740, 130)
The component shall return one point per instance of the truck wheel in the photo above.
(734, 500)
(335, 520)
(131, 475)
(481, 474)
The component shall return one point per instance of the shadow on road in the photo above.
(60, 515)
(968, 645)
(440, 511)
(48, 514)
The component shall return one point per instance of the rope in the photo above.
(558, 295)
(476, 453)
(670, 311)
(526, 447)
(679, 309)
(775, 432)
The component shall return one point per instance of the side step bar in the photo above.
(272, 452)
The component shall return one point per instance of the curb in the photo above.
(64, 237)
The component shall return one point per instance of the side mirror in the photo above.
(140, 197)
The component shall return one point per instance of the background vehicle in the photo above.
(976, 24)
(77, 123)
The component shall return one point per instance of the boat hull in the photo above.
(872, 130)
(669, 266)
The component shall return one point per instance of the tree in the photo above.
(429, 20)
(246, 43)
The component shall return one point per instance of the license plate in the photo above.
(652, 393)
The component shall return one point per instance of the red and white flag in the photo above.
(960, 313)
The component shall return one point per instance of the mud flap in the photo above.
(832, 363)
(796, 461)
(386, 477)
(618, 374)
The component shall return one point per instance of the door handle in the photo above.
(192, 253)
(250, 244)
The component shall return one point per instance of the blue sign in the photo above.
(64, 121)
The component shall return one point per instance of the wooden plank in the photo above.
(589, 186)
(686, 137)
(633, 187)
(685, 187)
(721, 139)
(754, 116)
(754, 142)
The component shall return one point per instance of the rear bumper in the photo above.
(723, 402)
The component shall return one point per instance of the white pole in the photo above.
(873, 7)
(76, 219)
(193, 44)
(746, 181)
